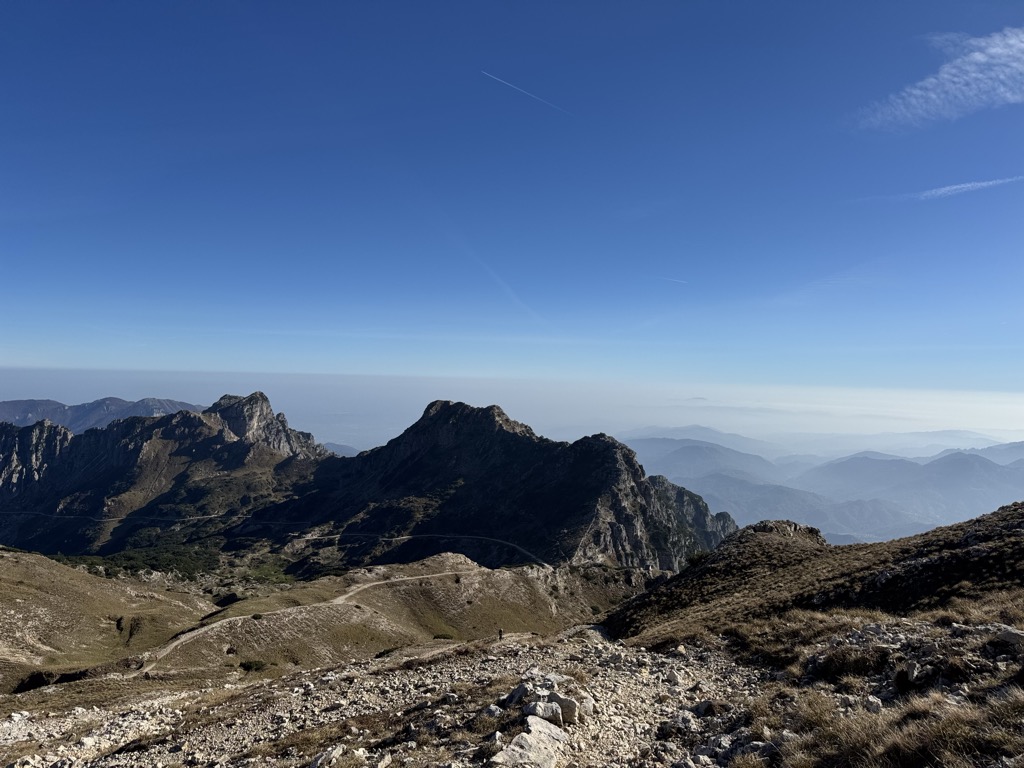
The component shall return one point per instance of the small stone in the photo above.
(1011, 636)
(570, 707)
(712, 707)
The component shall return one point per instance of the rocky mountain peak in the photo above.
(247, 417)
(443, 415)
(252, 420)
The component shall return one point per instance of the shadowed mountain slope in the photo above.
(774, 566)
(461, 475)
(235, 480)
(116, 487)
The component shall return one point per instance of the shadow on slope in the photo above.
(771, 567)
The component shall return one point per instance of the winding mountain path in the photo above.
(192, 634)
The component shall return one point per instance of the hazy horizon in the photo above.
(367, 410)
(760, 217)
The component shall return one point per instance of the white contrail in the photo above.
(509, 292)
(959, 189)
(532, 96)
(673, 280)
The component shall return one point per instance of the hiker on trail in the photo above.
(501, 634)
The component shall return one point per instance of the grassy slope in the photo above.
(977, 566)
(61, 619)
(56, 617)
(299, 626)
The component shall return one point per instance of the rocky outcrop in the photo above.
(648, 522)
(28, 453)
(789, 529)
(252, 420)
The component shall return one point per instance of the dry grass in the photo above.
(57, 618)
(779, 641)
(851, 661)
(920, 732)
(969, 571)
(748, 761)
(1003, 605)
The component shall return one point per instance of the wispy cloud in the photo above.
(959, 189)
(531, 95)
(984, 72)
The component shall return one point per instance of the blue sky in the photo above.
(694, 195)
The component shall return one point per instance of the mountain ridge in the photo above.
(236, 478)
(97, 413)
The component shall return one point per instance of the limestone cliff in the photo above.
(28, 453)
(252, 420)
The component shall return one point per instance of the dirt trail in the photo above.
(356, 589)
(192, 634)
(513, 545)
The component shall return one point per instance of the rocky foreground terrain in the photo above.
(573, 699)
(736, 671)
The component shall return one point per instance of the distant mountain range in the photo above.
(341, 449)
(867, 496)
(696, 432)
(235, 481)
(789, 447)
(79, 418)
(1004, 453)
